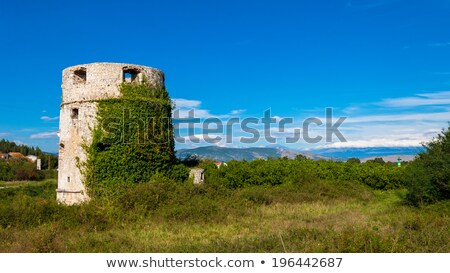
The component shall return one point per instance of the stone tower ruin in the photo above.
(82, 87)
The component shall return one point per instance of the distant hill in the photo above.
(227, 154)
(338, 154)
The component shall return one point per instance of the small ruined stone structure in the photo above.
(82, 87)
(198, 175)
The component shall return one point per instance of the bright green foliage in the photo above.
(133, 140)
(378, 160)
(240, 174)
(428, 177)
(354, 160)
(6, 173)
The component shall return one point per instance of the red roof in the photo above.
(16, 154)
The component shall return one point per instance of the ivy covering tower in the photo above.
(115, 129)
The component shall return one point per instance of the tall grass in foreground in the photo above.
(309, 215)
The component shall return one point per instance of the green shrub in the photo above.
(147, 196)
(354, 160)
(257, 195)
(19, 169)
(27, 211)
(6, 173)
(178, 172)
(50, 174)
(239, 174)
(428, 176)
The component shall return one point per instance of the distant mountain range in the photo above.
(370, 153)
(339, 154)
(227, 154)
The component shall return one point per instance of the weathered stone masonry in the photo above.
(82, 87)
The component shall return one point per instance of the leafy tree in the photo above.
(240, 174)
(428, 176)
(354, 160)
(378, 160)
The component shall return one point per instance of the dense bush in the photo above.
(50, 174)
(19, 169)
(6, 173)
(178, 172)
(238, 174)
(428, 176)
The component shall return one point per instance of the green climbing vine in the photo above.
(132, 141)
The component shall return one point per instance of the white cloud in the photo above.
(440, 116)
(351, 109)
(408, 126)
(197, 140)
(387, 134)
(4, 134)
(426, 99)
(185, 108)
(192, 113)
(184, 103)
(378, 142)
(437, 95)
(44, 135)
(393, 122)
(238, 112)
(47, 118)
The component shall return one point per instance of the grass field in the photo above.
(320, 216)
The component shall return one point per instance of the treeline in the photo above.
(9, 146)
(276, 171)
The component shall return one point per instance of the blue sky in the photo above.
(383, 64)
